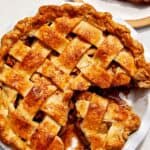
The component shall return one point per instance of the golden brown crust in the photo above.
(40, 76)
(106, 124)
(72, 54)
(20, 125)
(48, 13)
(49, 69)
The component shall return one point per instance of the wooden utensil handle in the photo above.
(135, 23)
(139, 23)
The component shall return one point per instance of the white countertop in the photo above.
(10, 9)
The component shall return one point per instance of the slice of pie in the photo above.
(47, 60)
(105, 123)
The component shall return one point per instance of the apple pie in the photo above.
(52, 66)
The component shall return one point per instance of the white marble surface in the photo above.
(121, 9)
(13, 10)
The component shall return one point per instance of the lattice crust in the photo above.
(106, 124)
(46, 58)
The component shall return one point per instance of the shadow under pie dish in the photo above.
(48, 64)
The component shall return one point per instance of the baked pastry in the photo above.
(105, 123)
(139, 1)
(49, 58)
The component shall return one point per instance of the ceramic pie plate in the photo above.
(138, 99)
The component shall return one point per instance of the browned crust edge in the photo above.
(102, 20)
